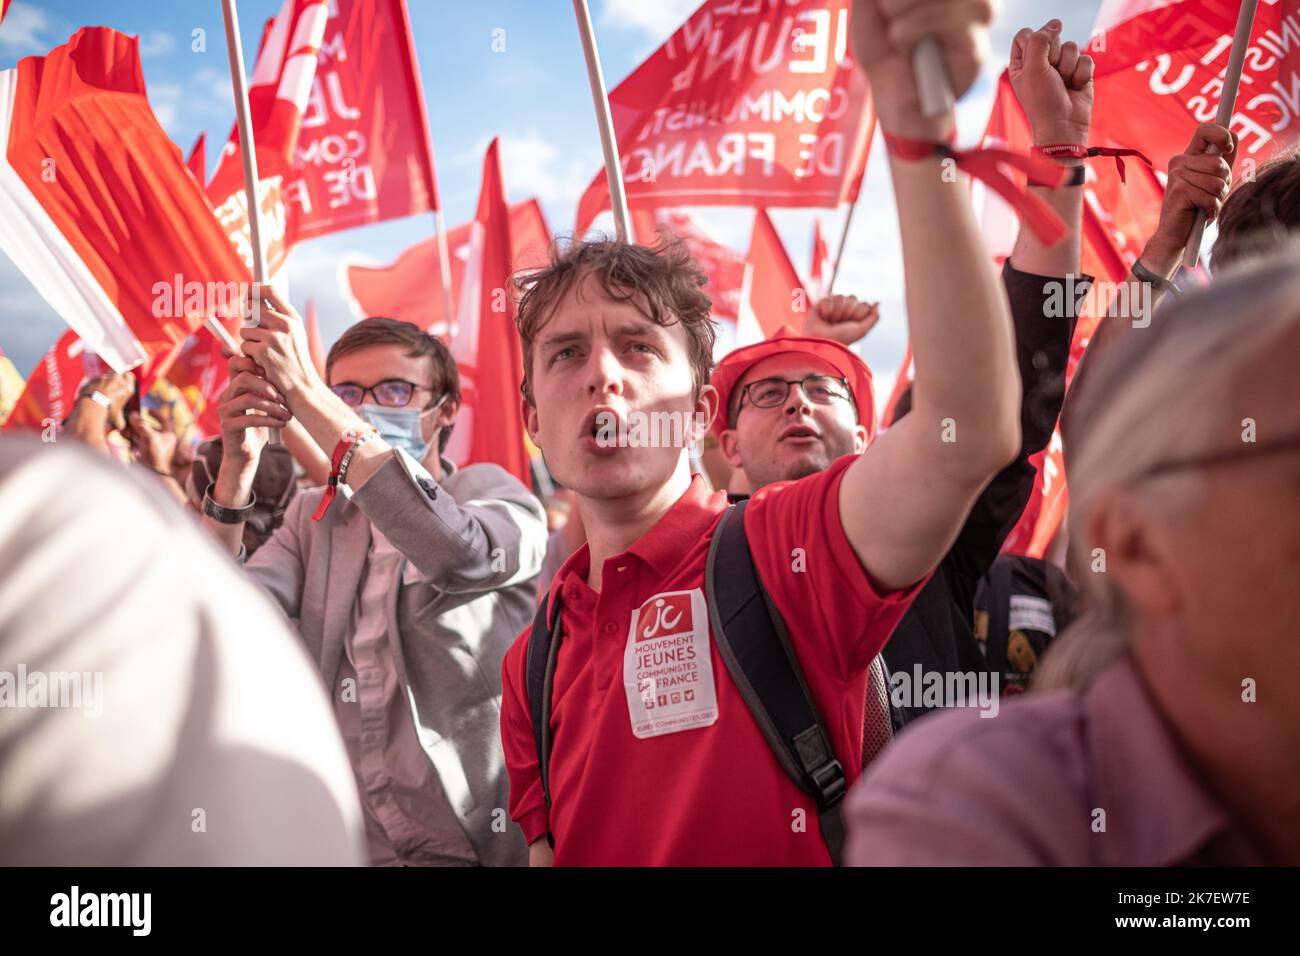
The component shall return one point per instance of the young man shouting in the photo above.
(615, 330)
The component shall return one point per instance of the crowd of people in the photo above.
(803, 647)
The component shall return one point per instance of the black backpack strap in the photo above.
(543, 648)
(755, 646)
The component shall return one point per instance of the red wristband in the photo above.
(1070, 150)
(342, 451)
(985, 164)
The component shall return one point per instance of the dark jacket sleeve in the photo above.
(1043, 311)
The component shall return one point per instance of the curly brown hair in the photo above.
(663, 283)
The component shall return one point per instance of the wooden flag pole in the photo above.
(1227, 102)
(246, 147)
(613, 169)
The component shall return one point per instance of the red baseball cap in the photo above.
(844, 360)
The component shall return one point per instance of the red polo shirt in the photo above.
(676, 772)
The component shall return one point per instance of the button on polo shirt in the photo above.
(711, 793)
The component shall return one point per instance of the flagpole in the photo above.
(439, 228)
(613, 169)
(839, 252)
(1227, 102)
(246, 147)
(931, 75)
(444, 270)
(248, 153)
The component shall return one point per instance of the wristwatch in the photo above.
(222, 514)
(98, 397)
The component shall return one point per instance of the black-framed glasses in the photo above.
(1226, 456)
(391, 393)
(771, 392)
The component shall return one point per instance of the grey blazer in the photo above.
(478, 538)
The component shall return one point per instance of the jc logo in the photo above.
(665, 619)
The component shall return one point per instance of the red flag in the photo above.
(199, 371)
(4, 8)
(724, 267)
(901, 383)
(97, 208)
(754, 105)
(1159, 72)
(314, 343)
(776, 296)
(363, 154)
(53, 385)
(197, 163)
(277, 100)
(819, 272)
(486, 347)
(407, 289)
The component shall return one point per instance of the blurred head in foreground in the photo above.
(1172, 734)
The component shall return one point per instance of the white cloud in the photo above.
(657, 19)
(214, 88)
(534, 166)
(156, 43)
(28, 30)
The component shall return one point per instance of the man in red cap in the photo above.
(822, 388)
(793, 404)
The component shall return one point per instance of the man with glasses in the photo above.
(407, 577)
(777, 432)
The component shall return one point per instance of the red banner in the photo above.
(197, 163)
(199, 371)
(776, 295)
(486, 347)
(754, 105)
(1159, 72)
(97, 207)
(53, 385)
(277, 99)
(363, 153)
(724, 267)
(408, 289)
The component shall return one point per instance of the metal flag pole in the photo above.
(613, 169)
(1227, 101)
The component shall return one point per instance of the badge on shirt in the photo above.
(667, 667)
(1029, 613)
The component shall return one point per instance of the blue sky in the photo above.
(534, 95)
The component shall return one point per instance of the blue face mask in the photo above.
(401, 427)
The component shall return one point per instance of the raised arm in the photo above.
(1053, 82)
(904, 500)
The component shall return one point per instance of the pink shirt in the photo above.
(409, 821)
(1036, 785)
